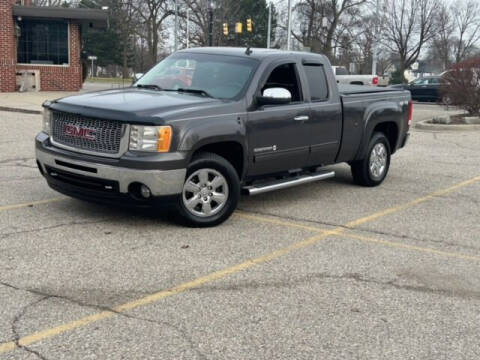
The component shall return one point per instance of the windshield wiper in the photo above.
(195, 91)
(149, 86)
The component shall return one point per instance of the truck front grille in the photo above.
(95, 135)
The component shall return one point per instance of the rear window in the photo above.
(317, 82)
(341, 71)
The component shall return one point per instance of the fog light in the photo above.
(145, 191)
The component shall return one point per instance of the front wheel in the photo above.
(372, 170)
(210, 193)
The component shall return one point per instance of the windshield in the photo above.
(219, 76)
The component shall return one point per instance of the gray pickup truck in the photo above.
(208, 124)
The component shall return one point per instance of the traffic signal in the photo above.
(249, 25)
(225, 29)
(238, 27)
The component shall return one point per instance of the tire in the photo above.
(366, 174)
(211, 191)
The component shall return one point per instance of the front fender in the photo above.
(208, 131)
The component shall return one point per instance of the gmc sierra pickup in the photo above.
(207, 124)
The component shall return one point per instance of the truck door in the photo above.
(278, 134)
(325, 122)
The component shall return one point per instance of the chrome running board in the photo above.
(286, 183)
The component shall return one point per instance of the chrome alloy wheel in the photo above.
(205, 192)
(378, 160)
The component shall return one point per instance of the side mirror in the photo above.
(275, 96)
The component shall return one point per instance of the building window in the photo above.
(43, 42)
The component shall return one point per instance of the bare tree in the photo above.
(199, 17)
(152, 14)
(441, 47)
(466, 22)
(317, 33)
(407, 27)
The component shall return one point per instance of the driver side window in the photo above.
(285, 76)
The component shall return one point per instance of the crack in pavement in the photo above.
(307, 280)
(361, 229)
(5, 235)
(6, 161)
(97, 307)
(17, 318)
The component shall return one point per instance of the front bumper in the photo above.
(92, 178)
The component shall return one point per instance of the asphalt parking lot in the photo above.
(328, 270)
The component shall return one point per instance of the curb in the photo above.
(24, 111)
(424, 125)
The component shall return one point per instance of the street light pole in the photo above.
(176, 26)
(375, 42)
(269, 31)
(289, 26)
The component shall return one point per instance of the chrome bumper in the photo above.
(160, 182)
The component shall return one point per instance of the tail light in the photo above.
(375, 80)
(410, 112)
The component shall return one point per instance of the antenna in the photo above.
(248, 51)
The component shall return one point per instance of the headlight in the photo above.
(47, 120)
(150, 138)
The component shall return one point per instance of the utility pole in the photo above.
(210, 23)
(176, 25)
(188, 28)
(269, 31)
(375, 42)
(289, 26)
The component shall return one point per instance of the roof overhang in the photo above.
(92, 18)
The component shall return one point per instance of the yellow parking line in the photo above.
(48, 333)
(398, 208)
(29, 204)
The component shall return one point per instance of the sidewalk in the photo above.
(31, 102)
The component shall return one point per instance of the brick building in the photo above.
(40, 47)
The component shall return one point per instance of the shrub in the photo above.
(462, 86)
(398, 78)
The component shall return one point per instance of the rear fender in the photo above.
(377, 113)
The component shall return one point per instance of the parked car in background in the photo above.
(424, 89)
(344, 77)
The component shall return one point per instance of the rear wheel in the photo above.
(210, 193)
(372, 170)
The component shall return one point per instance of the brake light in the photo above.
(410, 112)
(375, 80)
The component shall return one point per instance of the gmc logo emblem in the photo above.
(77, 131)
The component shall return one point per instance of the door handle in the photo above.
(301, 118)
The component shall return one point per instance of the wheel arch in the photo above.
(383, 117)
(230, 148)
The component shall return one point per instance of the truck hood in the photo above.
(137, 105)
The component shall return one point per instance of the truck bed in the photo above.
(359, 103)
